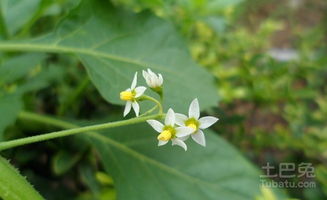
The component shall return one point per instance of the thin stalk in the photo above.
(149, 111)
(145, 97)
(74, 130)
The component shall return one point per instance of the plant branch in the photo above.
(145, 97)
(149, 111)
(71, 131)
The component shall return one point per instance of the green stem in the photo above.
(149, 111)
(145, 97)
(72, 131)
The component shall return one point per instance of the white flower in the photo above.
(154, 81)
(169, 131)
(130, 95)
(195, 123)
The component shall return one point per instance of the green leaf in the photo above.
(88, 177)
(13, 186)
(221, 5)
(17, 12)
(22, 75)
(10, 105)
(114, 44)
(18, 67)
(63, 161)
(141, 170)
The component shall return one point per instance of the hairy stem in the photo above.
(73, 129)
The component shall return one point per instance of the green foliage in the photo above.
(10, 105)
(273, 111)
(64, 161)
(13, 185)
(275, 105)
(117, 41)
(17, 13)
(160, 173)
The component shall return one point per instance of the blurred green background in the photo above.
(269, 58)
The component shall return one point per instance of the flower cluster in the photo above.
(177, 127)
(132, 95)
(181, 127)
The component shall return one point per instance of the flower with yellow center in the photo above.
(131, 95)
(169, 131)
(195, 122)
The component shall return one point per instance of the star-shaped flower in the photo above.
(195, 123)
(131, 95)
(169, 131)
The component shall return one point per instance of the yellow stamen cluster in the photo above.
(127, 96)
(165, 135)
(192, 125)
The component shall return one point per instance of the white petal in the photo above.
(127, 108)
(134, 81)
(145, 74)
(170, 117)
(205, 122)
(146, 77)
(160, 143)
(184, 138)
(160, 80)
(199, 138)
(139, 91)
(180, 119)
(136, 108)
(184, 131)
(155, 80)
(151, 73)
(194, 109)
(179, 143)
(156, 125)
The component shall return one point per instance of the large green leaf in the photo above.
(141, 170)
(113, 44)
(19, 75)
(13, 186)
(18, 67)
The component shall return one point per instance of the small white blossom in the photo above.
(154, 81)
(195, 123)
(169, 131)
(130, 95)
